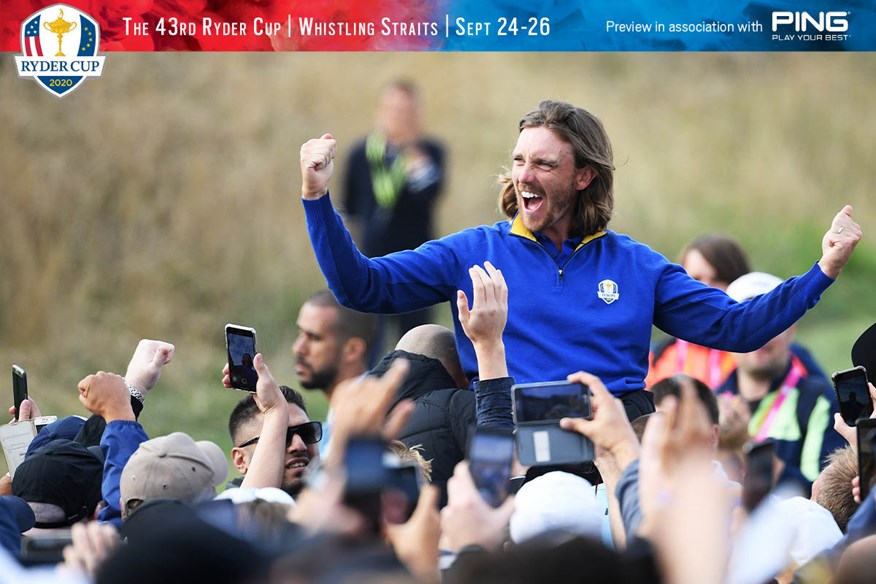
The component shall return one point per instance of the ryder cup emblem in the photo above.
(608, 291)
(59, 46)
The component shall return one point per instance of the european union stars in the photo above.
(86, 45)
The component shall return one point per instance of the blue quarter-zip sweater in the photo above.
(591, 310)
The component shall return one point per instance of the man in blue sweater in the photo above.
(582, 297)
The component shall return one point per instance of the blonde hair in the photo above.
(414, 453)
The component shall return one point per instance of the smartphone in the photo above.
(366, 476)
(43, 550)
(866, 429)
(401, 491)
(241, 344)
(759, 473)
(538, 408)
(853, 394)
(19, 387)
(550, 401)
(490, 455)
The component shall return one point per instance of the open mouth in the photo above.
(297, 463)
(531, 201)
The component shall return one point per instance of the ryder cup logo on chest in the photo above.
(607, 291)
(59, 46)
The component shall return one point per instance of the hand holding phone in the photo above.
(240, 342)
(538, 409)
(19, 388)
(853, 394)
(490, 455)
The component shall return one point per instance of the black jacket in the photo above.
(443, 415)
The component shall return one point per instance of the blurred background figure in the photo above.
(393, 178)
(785, 403)
(714, 259)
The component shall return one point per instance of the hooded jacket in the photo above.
(443, 414)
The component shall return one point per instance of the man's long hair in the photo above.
(591, 147)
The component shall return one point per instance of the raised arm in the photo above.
(485, 321)
(268, 459)
(484, 324)
(317, 166)
(399, 282)
(839, 242)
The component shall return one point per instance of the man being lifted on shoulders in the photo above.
(584, 297)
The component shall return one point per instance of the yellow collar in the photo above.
(517, 228)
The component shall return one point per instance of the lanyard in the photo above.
(790, 382)
(714, 364)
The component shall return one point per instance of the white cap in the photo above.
(555, 502)
(813, 526)
(751, 285)
(269, 494)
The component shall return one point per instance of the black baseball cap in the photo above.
(864, 352)
(62, 473)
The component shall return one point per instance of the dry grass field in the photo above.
(160, 200)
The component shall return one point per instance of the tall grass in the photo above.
(161, 199)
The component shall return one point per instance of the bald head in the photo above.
(436, 342)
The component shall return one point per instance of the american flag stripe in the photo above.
(32, 45)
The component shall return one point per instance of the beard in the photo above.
(767, 371)
(320, 379)
(293, 486)
(557, 204)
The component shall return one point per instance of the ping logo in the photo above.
(804, 21)
(59, 48)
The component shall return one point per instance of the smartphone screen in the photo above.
(758, 480)
(401, 492)
(540, 402)
(853, 394)
(241, 344)
(490, 455)
(866, 434)
(366, 475)
(19, 387)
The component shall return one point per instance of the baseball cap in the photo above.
(167, 541)
(62, 473)
(64, 428)
(19, 511)
(247, 495)
(751, 285)
(16, 517)
(173, 467)
(864, 351)
(814, 528)
(557, 502)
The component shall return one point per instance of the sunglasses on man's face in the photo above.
(309, 432)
